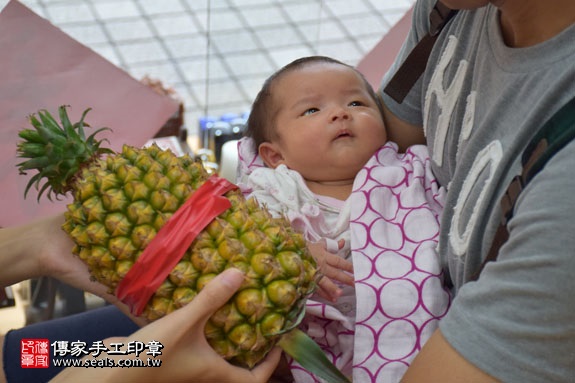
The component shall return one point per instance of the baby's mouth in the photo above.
(343, 134)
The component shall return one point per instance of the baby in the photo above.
(316, 151)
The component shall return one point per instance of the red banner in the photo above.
(168, 246)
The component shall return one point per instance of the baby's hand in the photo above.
(331, 267)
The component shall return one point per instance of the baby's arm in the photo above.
(332, 268)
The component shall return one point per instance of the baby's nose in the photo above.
(340, 113)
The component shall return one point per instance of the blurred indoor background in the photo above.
(216, 53)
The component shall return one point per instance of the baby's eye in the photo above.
(310, 111)
(356, 103)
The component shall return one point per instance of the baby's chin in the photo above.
(344, 171)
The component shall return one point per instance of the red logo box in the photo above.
(35, 353)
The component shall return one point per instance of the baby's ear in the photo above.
(270, 154)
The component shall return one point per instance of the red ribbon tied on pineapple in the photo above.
(171, 242)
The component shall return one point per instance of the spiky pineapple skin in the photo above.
(122, 201)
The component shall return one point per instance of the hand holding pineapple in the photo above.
(186, 355)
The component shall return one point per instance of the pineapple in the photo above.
(121, 201)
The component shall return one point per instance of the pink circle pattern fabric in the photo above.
(396, 208)
(396, 205)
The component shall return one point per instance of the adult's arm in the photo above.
(402, 132)
(39, 248)
(42, 248)
(439, 362)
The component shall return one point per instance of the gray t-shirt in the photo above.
(480, 102)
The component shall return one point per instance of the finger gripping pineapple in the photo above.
(121, 201)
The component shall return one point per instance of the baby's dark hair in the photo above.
(261, 121)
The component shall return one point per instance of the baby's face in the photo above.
(327, 122)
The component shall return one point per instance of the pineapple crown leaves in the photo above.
(57, 151)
